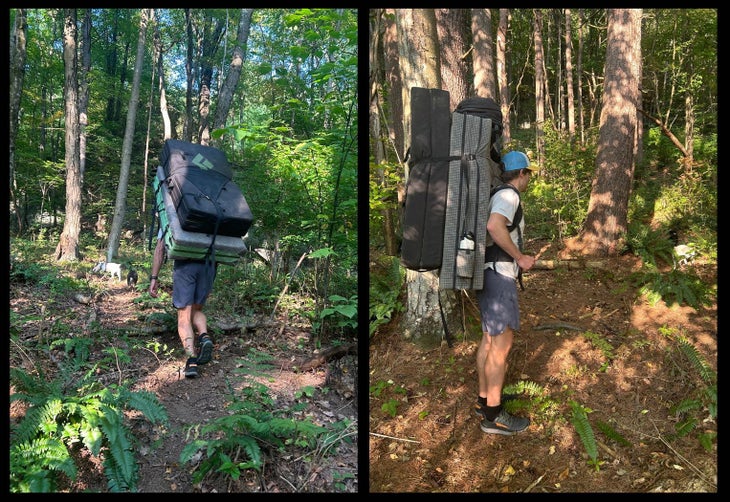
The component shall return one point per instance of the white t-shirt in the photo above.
(506, 202)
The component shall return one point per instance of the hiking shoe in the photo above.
(482, 413)
(206, 349)
(191, 368)
(504, 424)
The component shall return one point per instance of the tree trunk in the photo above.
(84, 90)
(570, 98)
(68, 244)
(579, 73)
(120, 206)
(394, 83)
(539, 85)
(377, 135)
(483, 54)
(211, 42)
(456, 75)
(234, 72)
(504, 94)
(159, 53)
(419, 64)
(17, 72)
(606, 221)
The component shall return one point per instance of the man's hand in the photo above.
(526, 262)
(153, 288)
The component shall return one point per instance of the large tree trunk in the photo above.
(419, 63)
(394, 82)
(68, 244)
(483, 54)
(453, 42)
(120, 207)
(606, 221)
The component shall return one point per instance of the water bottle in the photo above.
(467, 241)
(465, 256)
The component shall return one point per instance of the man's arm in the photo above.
(156, 266)
(497, 228)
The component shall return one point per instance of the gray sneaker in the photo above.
(505, 424)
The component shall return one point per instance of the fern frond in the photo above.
(579, 419)
(253, 450)
(119, 462)
(612, 433)
(684, 428)
(686, 405)
(147, 403)
(691, 353)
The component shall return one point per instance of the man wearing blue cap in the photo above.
(498, 303)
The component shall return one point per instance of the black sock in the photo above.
(482, 400)
(491, 412)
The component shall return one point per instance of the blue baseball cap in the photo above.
(514, 161)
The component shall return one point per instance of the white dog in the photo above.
(114, 269)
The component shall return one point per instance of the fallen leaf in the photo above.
(564, 474)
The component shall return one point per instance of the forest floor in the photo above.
(587, 337)
(325, 394)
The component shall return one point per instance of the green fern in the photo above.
(691, 353)
(579, 419)
(612, 433)
(55, 421)
(250, 426)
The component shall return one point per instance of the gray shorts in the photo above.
(498, 303)
(192, 282)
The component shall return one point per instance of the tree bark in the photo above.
(502, 79)
(84, 90)
(570, 98)
(68, 244)
(419, 65)
(17, 73)
(483, 53)
(539, 84)
(225, 97)
(606, 221)
(120, 206)
(456, 74)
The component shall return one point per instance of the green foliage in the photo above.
(342, 314)
(384, 390)
(57, 421)
(600, 343)
(390, 407)
(676, 286)
(611, 433)
(652, 246)
(384, 295)
(695, 358)
(701, 403)
(253, 425)
(579, 419)
(556, 201)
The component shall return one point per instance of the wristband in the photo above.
(153, 278)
